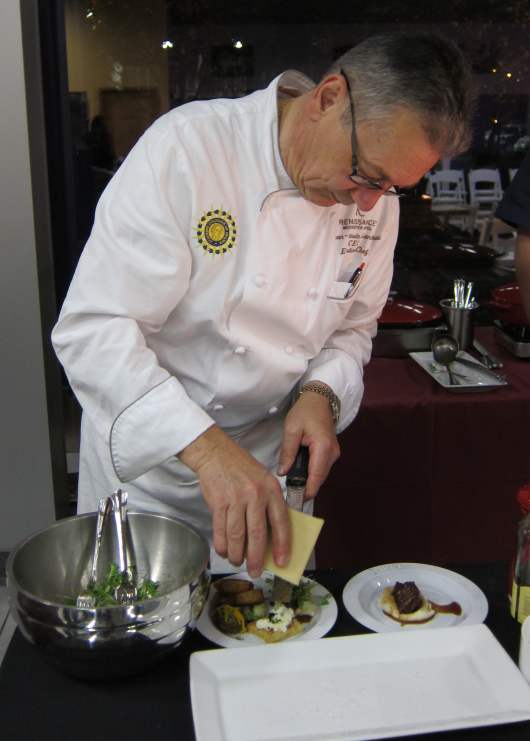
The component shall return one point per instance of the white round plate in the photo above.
(362, 594)
(321, 624)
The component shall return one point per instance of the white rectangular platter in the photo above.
(470, 379)
(357, 687)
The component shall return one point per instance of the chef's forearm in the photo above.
(201, 450)
(522, 266)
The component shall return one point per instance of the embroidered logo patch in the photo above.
(216, 231)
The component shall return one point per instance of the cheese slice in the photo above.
(305, 530)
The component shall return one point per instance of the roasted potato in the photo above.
(251, 597)
(233, 586)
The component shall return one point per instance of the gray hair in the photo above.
(420, 71)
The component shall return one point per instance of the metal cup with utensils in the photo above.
(459, 320)
(87, 601)
(126, 592)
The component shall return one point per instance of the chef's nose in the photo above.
(365, 198)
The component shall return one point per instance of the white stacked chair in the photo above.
(500, 236)
(447, 186)
(485, 189)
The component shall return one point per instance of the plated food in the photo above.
(240, 612)
(452, 598)
(405, 603)
(240, 607)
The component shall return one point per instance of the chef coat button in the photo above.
(240, 350)
(273, 410)
(289, 349)
(217, 407)
(259, 280)
(312, 293)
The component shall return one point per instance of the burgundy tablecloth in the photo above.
(428, 474)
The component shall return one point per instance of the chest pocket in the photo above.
(345, 289)
(340, 291)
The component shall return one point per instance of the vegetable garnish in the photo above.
(103, 591)
(239, 608)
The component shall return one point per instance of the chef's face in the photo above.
(334, 163)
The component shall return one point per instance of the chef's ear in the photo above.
(330, 92)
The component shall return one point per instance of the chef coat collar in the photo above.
(289, 84)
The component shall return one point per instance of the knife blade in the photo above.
(486, 357)
(296, 480)
(479, 366)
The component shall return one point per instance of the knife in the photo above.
(487, 358)
(296, 480)
(479, 366)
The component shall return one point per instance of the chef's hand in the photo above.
(242, 497)
(310, 422)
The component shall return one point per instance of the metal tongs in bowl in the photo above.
(126, 593)
(87, 601)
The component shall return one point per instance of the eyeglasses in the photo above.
(355, 176)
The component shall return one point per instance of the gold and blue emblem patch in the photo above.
(216, 231)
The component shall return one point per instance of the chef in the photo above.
(225, 303)
(514, 209)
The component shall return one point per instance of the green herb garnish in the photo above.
(103, 591)
(304, 593)
(147, 590)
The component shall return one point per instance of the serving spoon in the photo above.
(444, 351)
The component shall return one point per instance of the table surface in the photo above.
(426, 473)
(441, 207)
(37, 703)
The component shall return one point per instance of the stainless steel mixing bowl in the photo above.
(47, 571)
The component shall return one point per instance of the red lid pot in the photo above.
(507, 304)
(407, 312)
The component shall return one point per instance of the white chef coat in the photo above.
(208, 290)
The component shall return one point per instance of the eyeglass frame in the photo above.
(355, 176)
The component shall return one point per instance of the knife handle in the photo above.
(297, 474)
(488, 359)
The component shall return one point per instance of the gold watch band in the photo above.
(323, 390)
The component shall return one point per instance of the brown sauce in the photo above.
(453, 608)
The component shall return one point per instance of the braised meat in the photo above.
(407, 596)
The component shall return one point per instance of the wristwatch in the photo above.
(323, 390)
